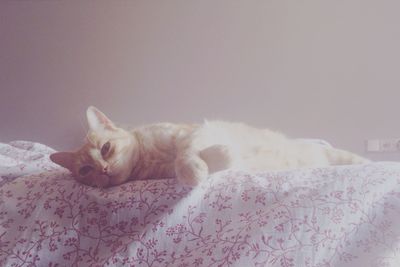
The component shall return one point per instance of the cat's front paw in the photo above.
(217, 157)
(190, 170)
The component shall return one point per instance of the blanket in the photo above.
(320, 217)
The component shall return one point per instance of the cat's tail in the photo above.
(342, 157)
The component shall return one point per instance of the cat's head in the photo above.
(107, 157)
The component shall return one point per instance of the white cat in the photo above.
(190, 152)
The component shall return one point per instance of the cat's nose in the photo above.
(105, 169)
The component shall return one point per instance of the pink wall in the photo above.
(326, 69)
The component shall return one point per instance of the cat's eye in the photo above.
(85, 170)
(105, 148)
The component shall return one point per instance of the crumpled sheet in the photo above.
(335, 216)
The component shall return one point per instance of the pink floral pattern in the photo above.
(336, 216)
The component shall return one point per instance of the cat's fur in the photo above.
(190, 152)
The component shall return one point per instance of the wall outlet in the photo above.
(383, 145)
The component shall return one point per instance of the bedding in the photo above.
(335, 216)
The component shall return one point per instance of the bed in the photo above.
(335, 216)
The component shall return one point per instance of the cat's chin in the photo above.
(99, 181)
(114, 181)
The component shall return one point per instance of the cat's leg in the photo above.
(342, 157)
(190, 169)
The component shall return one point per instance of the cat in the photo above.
(189, 152)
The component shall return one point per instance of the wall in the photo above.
(327, 69)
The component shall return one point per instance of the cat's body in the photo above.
(189, 152)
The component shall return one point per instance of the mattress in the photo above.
(334, 216)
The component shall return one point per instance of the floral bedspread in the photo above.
(336, 216)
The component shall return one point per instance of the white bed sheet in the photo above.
(336, 216)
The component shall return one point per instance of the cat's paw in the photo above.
(217, 157)
(190, 170)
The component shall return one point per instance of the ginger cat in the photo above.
(189, 152)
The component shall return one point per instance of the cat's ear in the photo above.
(98, 121)
(64, 159)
